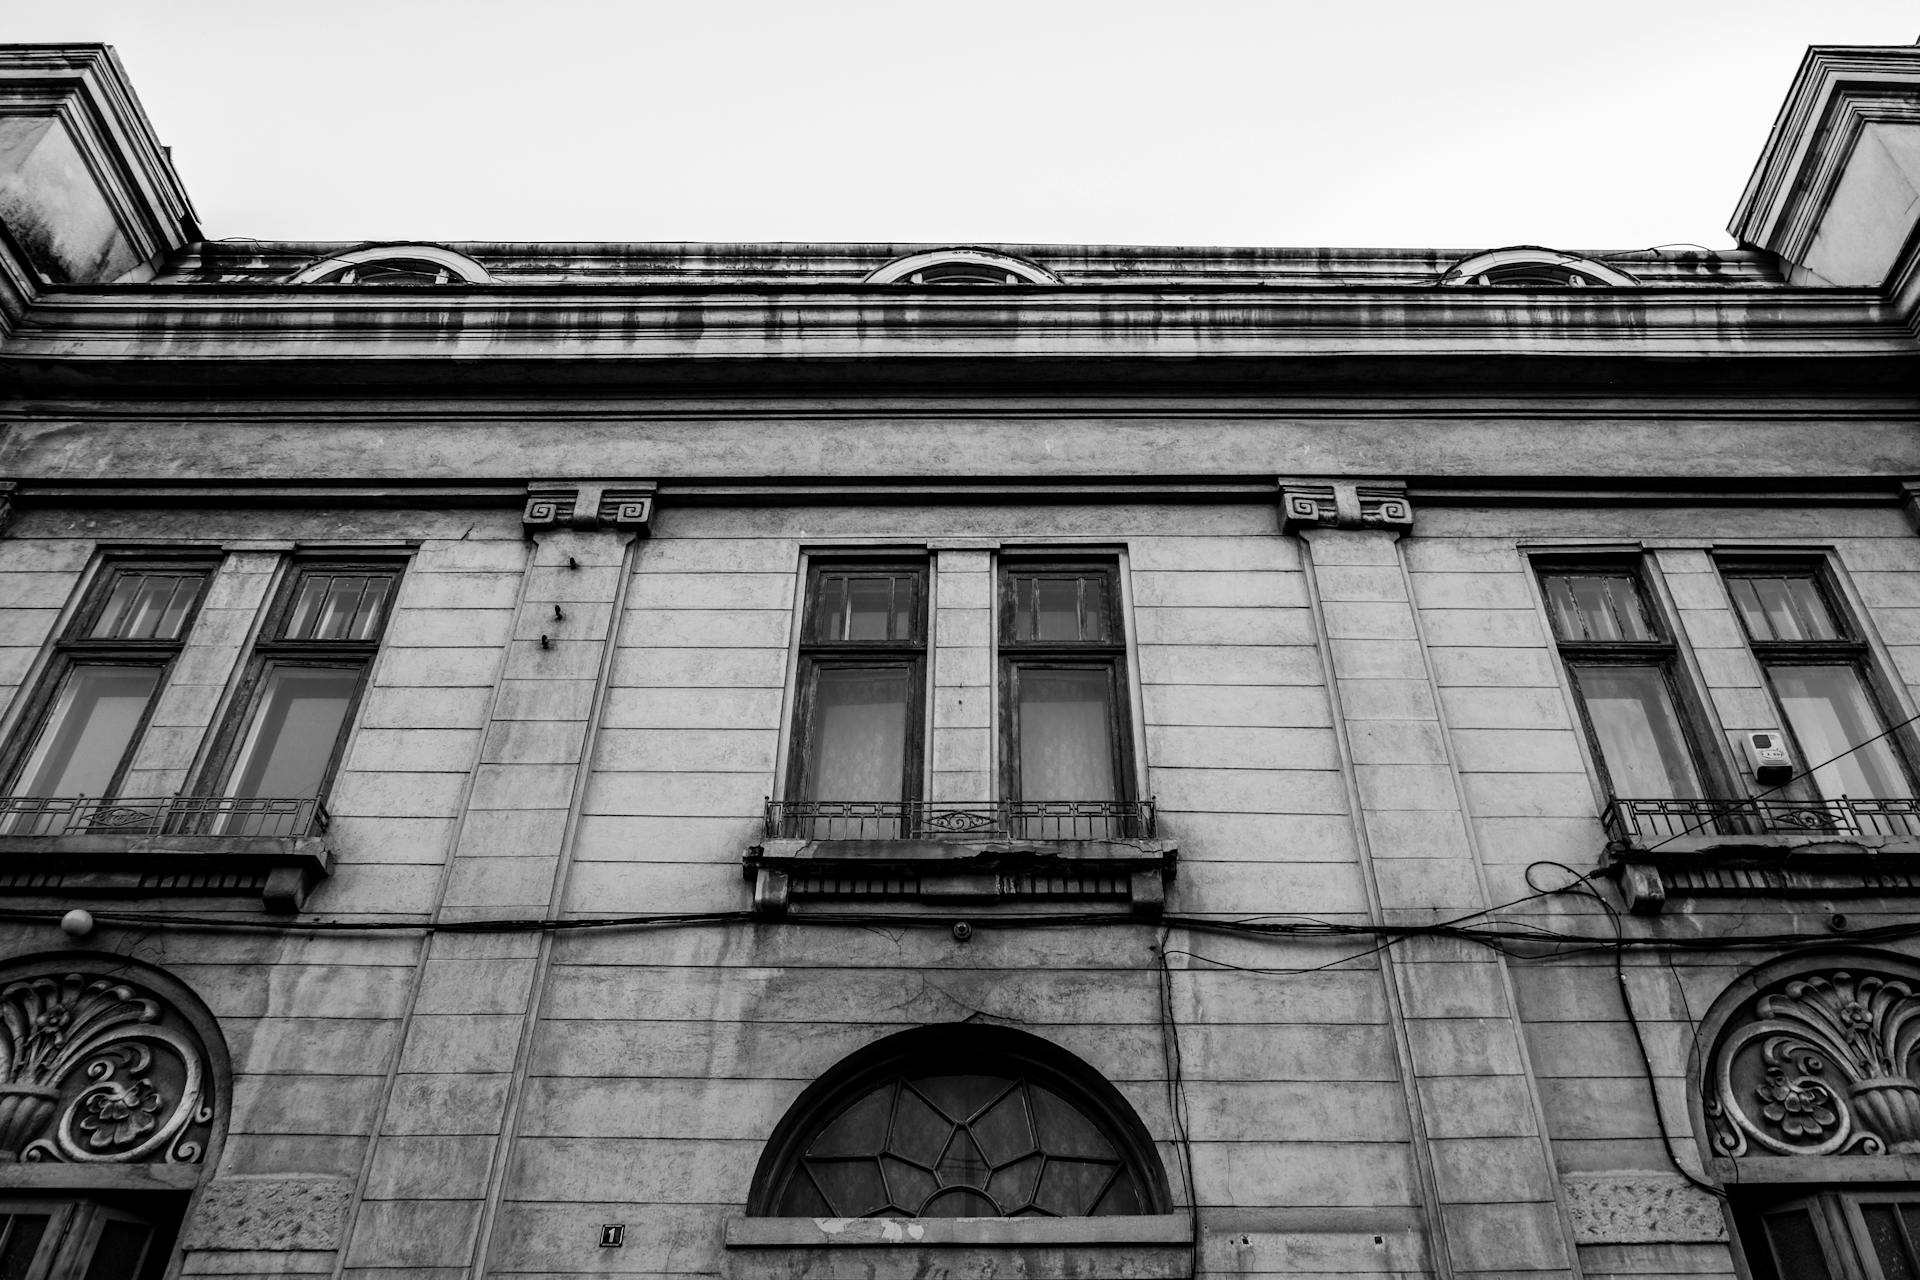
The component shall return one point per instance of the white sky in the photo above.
(1343, 123)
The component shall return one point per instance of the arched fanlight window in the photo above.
(394, 265)
(962, 266)
(1532, 267)
(960, 1122)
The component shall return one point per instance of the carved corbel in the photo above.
(624, 505)
(1909, 503)
(1344, 504)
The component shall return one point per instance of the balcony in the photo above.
(145, 847)
(1667, 848)
(1010, 852)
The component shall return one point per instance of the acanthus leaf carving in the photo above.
(1822, 1065)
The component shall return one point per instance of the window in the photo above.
(1067, 750)
(108, 667)
(1834, 1235)
(1817, 667)
(296, 705)
(1620, 661)
(961, 266)
(858, 710)
(81, 1240)
(959, 1122)
(402, 265)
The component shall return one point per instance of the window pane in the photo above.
(121, 1249)
(1829, 712)
(1065, 722)
(1634, 718)
(864, 607)
(296, 721)
(23, 1233)
(1796, 1245)
(1889, 1242)
(88, 731)
(1596, 607)
(1060, 607)
(342, 606)
(147, 606)
(869, 608)
(859, 749)
(1782, 608)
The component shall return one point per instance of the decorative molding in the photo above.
(269, 1214)
(1640, 1208)
(589, 505)
(97, 1069)
(7, 509)
(1819, 1064)
(1345, 504)
(1909, 503)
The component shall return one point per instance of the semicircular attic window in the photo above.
(962, 266)
(394, 266)
(1529, 267)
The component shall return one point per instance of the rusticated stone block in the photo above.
(1640, 1208)
(271, 1214)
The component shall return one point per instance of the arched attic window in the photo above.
(962, 266)
(959, 1122)
(391, 265)
(1532, 267)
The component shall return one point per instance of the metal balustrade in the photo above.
(1652, 821)
(234, 816)
(987, 819)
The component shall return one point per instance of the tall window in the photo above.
(1621, 662)
(1834, 1235)
(1817, 666)
(1063, 677)
(296, 706)
(858, 710)
(109, 666)
(44, 1239)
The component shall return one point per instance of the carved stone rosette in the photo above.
(98, 1070)
(1820, 1064)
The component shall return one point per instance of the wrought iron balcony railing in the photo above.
(1642, 822)
(238, 816)
(986, 819)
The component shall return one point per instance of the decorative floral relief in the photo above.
(1821, 1064)
(95, 1070)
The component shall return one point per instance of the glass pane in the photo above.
(121, 1249)
(1782, 608)
(859, 749)
(343, 606)
(1067, 608)
(919, 1132)
(908, 1184)
(1634, 718)
(1065, 722)
(24, 1231)
(1596, 607)
(1004, 1132)
(960, 1202)
(865, 607)
(147, 606)
(1829, 713)
(869, 608)
(289, 744)
(88, 731)
(961, 1164)
(1070, 1188)
(860, 1130)
(961, 1096)
(1063, 1130)
(1796, 1246)
(852, 1187)
(1012, 1185)
(1889, 1242)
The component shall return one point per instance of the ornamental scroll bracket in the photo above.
(589, 505)
(100, 1070)
(1344, 504)
(1819, 1064)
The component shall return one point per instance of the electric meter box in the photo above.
(1767, 756)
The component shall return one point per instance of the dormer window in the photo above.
(1532, 267)
(962, 266)
(406, 266)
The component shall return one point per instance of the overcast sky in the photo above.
(1340, 123)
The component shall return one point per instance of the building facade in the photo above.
(887, 761)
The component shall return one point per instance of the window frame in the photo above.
(1840, 1226)
(1662, 651)
(1012, 654)
(75, 648)
(813, 655)
(1848, 648)
(271, 648)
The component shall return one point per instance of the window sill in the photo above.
(972, 870)
(1148, 1247)
(280, 870)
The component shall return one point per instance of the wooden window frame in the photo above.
(1661, 651)
(75, 648)
(68, 1247)
(815, 655)
(1848, 648)
(272, 648)
(1110, 655)
(1839, 1225)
